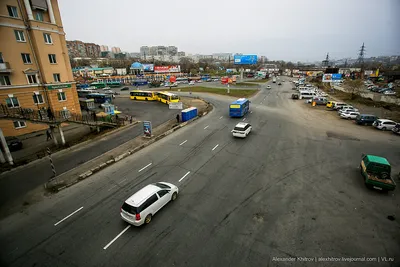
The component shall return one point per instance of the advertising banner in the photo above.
(245, 59)
(334, 77)
(166, 69)
(172, 79)
(178, 105)
(148, 67)
(147, 130)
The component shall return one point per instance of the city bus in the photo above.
(239, 107)
(113, 84)
(99, 98)
(142, 95)
(84, 93)
(98, 85)
(166, 97)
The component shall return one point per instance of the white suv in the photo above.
(242, 129)
(141, 206)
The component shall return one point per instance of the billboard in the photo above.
(166, 69)
(244, 59)
(147, 129)
(148, 67)
(334, 77)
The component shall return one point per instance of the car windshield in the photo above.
(164, 186)
(238, 128)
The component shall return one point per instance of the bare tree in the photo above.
(354, 87)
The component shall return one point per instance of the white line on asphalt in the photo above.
(183, 177)
(145, 167)
(206, 127)
(244, 119)
(183, 142)
(251, 111)
(112, 241)
(221, 117)
(215, 147)
(111, 187)
(68, 216)
(122, 181)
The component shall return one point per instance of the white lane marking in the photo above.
(183, 142)
(183, 177)
(68, 216)
(221, 117)
(145, 167)
(115, 238)
(122, 181)
(215, 147)
(251, 111)
(206, 127)
(111, 187)
(244, 119)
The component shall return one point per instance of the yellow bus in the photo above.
(142, 95)
(166, 97)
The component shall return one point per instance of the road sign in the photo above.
(178, 105)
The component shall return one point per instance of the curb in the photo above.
(55, 187)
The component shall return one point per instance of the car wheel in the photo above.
(174, 196)
(145, 99)
(147, 220)
(384, 129)
(134, 98)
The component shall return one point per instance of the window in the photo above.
(148, 202)
(26, 58)
(61, 96)
(31, 78)
(19, 35)
(12, 102)
(38, 99)
(52, 58)
(39, 15)
(47, 38)
(12, 11)
(5, 80)
(161, 193)
(19, 124)
(1, 58)
(57, 77)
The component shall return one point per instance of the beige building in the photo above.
(35, 71)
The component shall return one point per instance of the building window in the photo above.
(38, 99)
(31, 78)
(12, 102)
(19, 35)
(47, 38)
(52, 59)
(19, 124)
(12, 11)
(39, 15)
(26, 58)
(4, 80)
(61, 96)
(57, 77)
(1, 58)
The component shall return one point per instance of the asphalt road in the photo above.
(19, 182)
(290, 189)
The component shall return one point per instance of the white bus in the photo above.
(305, 94)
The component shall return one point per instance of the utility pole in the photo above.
(361, 55)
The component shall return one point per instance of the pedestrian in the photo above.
(177, 118)
(48, 134)
(130, 119)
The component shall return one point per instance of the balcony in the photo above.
(5, 67)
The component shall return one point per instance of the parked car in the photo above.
(383, 124)
(330, 104)
(13, 143)
(366, 119)
(139, 208)
(347, 110)
(338, 105)
(389, 92)
(191, 83)
(352, 115)
(124, 88)
(396, 129)
(344, 107)
(242, 129)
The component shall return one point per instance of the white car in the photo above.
(388, 92)
(242, 129)
(268, 86)
(352, 115)
(383, 124)
(347, 110)
(191, 83)
(141, 206)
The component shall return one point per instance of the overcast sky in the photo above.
(303, 30)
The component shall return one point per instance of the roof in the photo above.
(241, 124)
(141, 195)
(240, 101)
(377, 159)
(385, 120)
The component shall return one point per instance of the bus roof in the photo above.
(143, 91)
(240, 101)
(166, 93)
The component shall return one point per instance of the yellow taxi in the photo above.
(330, 104)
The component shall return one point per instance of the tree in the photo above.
(354, 87)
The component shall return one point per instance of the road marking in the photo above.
(112, 241)
(122, 181)
(244, 119)
(183, 142)
(183, 177)
(145, 167)
(251, 111)
(215, 147)
(111, 187)
(206, 127)
(221, 117)
(68, 216)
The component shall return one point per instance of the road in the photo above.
(17, 183)
(290, 189)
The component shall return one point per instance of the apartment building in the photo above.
(92, 50)
(35, 71)
(76, 49)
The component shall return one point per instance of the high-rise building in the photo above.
(144, 50)
(104, 48)
(153, 51)
(92, 50)
(116, 50)
(172, 50)
(35, 71)
(76, 49)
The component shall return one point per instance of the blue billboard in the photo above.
(245, 59)
(336, 77)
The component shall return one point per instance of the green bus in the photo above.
(113, 84)
(98, 85)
